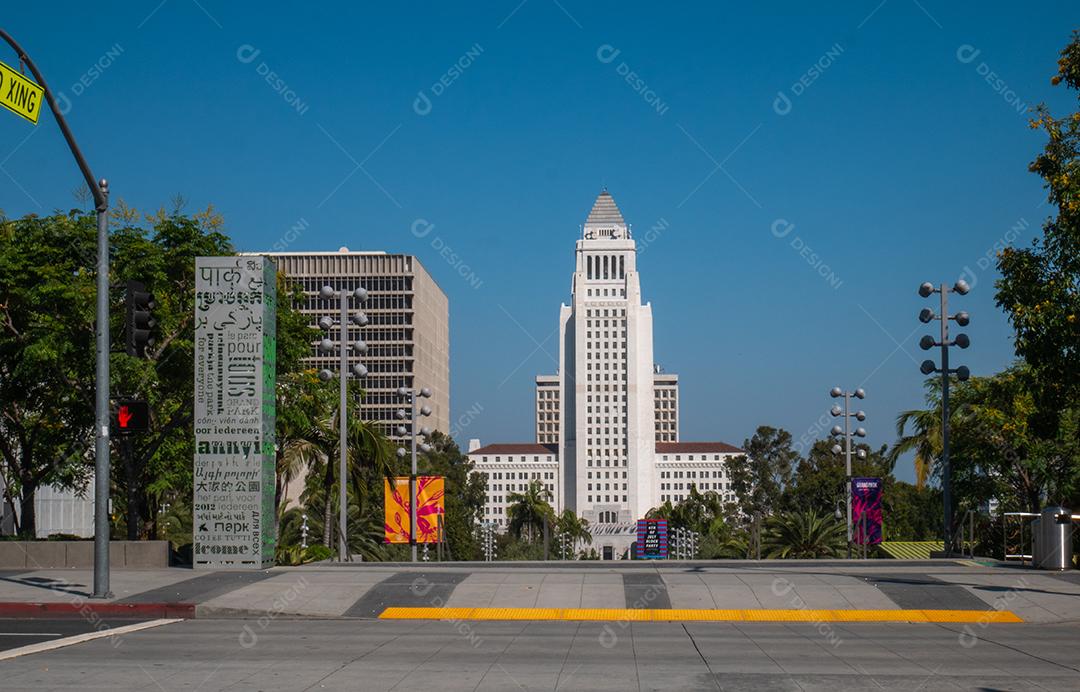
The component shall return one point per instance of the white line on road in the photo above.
(80, 638)
(31, 634)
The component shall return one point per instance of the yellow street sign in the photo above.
(20, 95)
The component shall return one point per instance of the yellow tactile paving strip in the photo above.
(668, 615)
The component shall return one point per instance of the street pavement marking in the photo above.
(675, 614)
(30, 634)
(85, 637)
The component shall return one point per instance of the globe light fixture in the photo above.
(928, 367)
(417, 439)
(327, 345)
(847, 433)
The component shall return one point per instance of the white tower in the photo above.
(607, 432)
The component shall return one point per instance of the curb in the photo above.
(229, 613)
(102, 610)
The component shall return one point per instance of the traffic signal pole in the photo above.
(100, 191)
(101, 386)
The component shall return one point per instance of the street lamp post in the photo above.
(326, 345)
(926, 315)
(100, 192)
(411, 396)
(859, 393)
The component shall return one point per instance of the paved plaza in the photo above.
(365, 591)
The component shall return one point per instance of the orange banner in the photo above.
(429, 509)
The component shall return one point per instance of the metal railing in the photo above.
(1022, 556)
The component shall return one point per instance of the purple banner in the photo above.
(866, 511)
(652, 539)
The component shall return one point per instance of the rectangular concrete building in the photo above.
(408, 333)
(666, 391)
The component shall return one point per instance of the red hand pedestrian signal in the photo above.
(131, 416)
(123, 416)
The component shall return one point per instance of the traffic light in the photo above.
(131, 416)
(139, 322)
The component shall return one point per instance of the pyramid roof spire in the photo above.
(604, 211)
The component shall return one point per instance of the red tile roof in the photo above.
(517, 448)
(696, 448)
(661, 448)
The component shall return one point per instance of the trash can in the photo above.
(1055, 539)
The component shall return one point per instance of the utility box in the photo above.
(1054, 539)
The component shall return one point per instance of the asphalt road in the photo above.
(283, 654)
(22, 632)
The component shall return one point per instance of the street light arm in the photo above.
(101, 202)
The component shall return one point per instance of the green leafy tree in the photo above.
(910, 513)
(820, 482)
(163, 256)
(46, 336)
(47, 311)
(465, 493)
(1002, 452)
(1039, 288)
(759, 477)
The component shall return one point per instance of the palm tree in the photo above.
(365, 448)
(802, 535)
(302, 399)
(925, 441)
(925, 438)
(530, 510)
(575, 528)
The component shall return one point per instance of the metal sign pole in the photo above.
(100, 191)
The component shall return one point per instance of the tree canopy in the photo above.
(47, 306)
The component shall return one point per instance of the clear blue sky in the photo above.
(892, 154)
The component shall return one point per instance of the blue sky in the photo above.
(759, 148)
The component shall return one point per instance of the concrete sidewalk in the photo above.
(367, 590)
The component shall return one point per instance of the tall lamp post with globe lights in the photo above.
(411, 396)
(327, 345)
(859, 393)
(926, 315)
